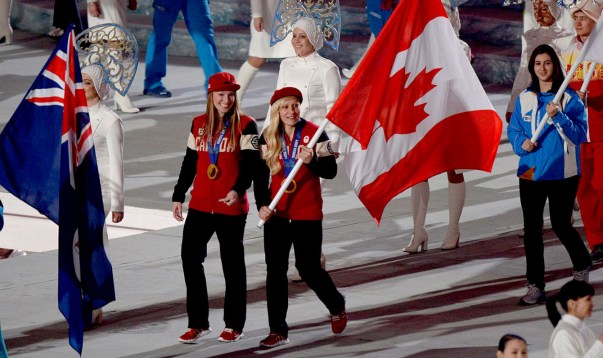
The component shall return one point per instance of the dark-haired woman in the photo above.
(548, 168)
(512, 346)
(571, 337)
(220, 156)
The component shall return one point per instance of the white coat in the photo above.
(107, 129)
(318, 80)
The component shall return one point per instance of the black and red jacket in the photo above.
(236, 168)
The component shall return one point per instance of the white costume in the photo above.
(260, 40)
(259, 46)
(113, 12)
(107, 130)
(318, 80)
(316, 77)
(573, 339)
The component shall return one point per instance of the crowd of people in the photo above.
(226, 154)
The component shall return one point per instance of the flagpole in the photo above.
(568, 78)
(294, 171)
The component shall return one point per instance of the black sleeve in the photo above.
(250, 155)
(261, 182)
(188, 171)
(323, 164)
(324, 167)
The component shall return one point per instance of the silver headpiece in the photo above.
(115, 49)
(325, 13)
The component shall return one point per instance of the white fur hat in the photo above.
(96, 73)
(308, 26)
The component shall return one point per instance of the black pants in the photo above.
(561, 195)
(66, 12)
(306, 238)
(198, 229)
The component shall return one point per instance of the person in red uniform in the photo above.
(221, 155)
(590, 189)
(297, 219)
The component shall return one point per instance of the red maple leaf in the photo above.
(399, 114)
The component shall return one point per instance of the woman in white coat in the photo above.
(112, 12)
(262, 15)
(108, 137)
(316, 77)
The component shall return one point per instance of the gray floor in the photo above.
(435, 304)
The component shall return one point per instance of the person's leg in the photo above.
(419, 198)
(277, 245)
(164, 17)
(456, 202)
(562, 194)
(198, 229)
(307, 243)
(6, 31)
(200, 26)
(533, 198)
(246, 74)
(230, 231)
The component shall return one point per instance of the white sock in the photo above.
(246, 74)
(456, 202)
(419, 197)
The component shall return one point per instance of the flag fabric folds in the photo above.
(595, 48)
(47, 159)
(414, 108)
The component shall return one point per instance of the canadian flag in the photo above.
(414, 108)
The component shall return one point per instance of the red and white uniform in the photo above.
(590, 191)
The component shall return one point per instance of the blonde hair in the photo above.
(214, 123)
(272, 136)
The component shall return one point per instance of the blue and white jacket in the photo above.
(557, 155)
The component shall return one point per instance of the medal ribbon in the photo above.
(289, 159)
(215, 149)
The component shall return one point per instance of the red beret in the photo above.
(222, 81)
(286, 92)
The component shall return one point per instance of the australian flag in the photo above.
(47, 159)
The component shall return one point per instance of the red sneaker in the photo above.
(193, 334)
(230, 335)
(273, 340)
(338, 322)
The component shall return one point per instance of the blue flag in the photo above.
(47, 159)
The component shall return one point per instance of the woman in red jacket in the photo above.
(221, 154)
(297, 220)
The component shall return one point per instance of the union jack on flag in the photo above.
(47, 159)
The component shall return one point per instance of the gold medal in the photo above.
(213, 171)
(292, 186)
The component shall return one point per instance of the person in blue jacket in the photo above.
(548, 167)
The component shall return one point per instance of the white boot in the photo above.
(456, 201)
(419, 197)
(348, 72)
(6, 31)
(246, 74)
(124, 103)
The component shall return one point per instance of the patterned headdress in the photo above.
(324, 13)
(113, 48)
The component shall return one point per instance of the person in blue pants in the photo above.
(199, 24)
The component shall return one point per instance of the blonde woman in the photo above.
(297, 219)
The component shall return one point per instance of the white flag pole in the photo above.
(567, 80)
(294, 171)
